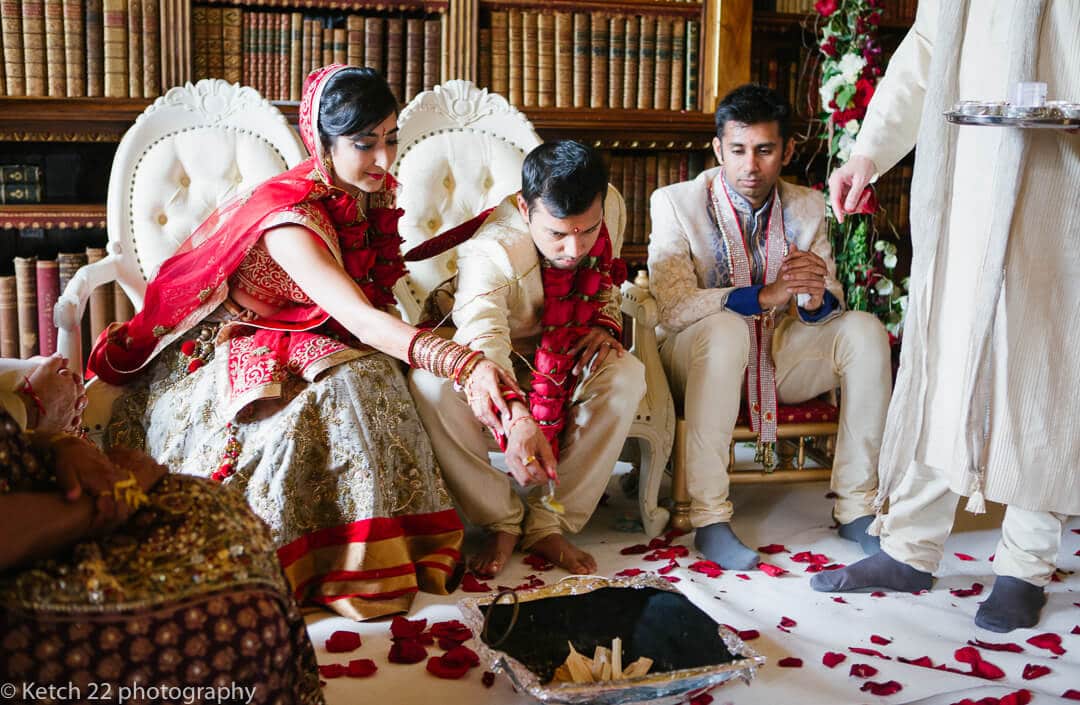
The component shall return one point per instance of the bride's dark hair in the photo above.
(355, 98)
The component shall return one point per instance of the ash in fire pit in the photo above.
(664, 626)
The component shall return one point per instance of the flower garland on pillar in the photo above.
(850, 70)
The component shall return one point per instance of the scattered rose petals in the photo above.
(868, 652)
(439, 666)
(839, 600)
(1071, 694)
(975, 589)
(1017, 697)
(668, 568)
(862, 670)
(402, 628)
(531, 582)
(672, 579)
(447, 644)
(814, 568)
(667, 554)
(886, 688)
(407, 651)
(634, 550)
(708, 568)
(774, 571)
(451, 631)
(834, 566)
(1033, 671)
(880, 640)
(790, 662)
(629, 573)
(488, 679)
(923, 661)
(832, 659)
(877, 593)
(967, 654)
(461, 655)
(749, 634)
(742, 576)
(772, 548)
(964, 556)
(537, 562)
(361, 668)
(333, 670)
(787, 622)
(979, 666)
(470, 583)
(658, 542)
(1050, 642)
(342, 641)
(991, 646)
(808, 557)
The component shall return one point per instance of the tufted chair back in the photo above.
(461, 150)
(195, 147)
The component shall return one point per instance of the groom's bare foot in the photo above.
(495, 553)
(564, 554)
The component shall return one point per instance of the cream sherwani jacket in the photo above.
(683, 248)
(498, 290)
(1028, 425)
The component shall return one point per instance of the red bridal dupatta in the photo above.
(353, 550)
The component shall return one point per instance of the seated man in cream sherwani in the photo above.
(534, 293)
(742, 270)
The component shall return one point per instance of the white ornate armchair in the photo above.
(193, 148)
(461, 150)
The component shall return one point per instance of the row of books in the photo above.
(637, 175)
(783, 72)
(900, 12)
(80, 48)
(895, 11)
(28, 296)
(274, 51)
(894, 196)
(20, 183)
(563, 60)
(800, 7)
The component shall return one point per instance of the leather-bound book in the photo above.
(14, 61)
(26, 302)
(530, 58)
(433, 53)
(95, 48)
(9, 318)
(678, 66)
(373, 44)
(33, 26)
(500, 53)
(691, 65)
(546, 25)
(598, 74)
(516, 51)
(564, 60)
(135, 44)
(483, 58)
(232, 45)
(631, 60)
(647, 64)
(662, 85)
(616, 60)
(55, 60)
(151, 69)
(582, 59)
(395, 56)
(102, 304)
(354, 37)
(414, 57)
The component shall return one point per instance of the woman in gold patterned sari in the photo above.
(119, 582)
(263, 358)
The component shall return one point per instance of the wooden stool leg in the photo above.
(680, 510)
(801, 460)
(784, 454)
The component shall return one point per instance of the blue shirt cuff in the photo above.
(744, 300)
(828, 305)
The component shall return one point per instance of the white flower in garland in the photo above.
(828, 90)
(852, 127)
(851, 66)
(843, 152)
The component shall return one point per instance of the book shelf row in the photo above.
(637, 175)
(274, 51)
(560, 59)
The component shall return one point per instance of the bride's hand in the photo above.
(484, 388)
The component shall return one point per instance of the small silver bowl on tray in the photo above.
(525, 635)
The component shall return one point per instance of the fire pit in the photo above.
(527, 635)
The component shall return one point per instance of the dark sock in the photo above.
(1013, 604)
(880, 571)
(855, 530)
(720, 545)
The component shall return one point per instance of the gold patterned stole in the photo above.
(760, 372)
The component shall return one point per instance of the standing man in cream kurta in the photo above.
(499, 303)
(742, 270)
(985, 403)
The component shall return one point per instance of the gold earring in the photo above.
(328, 163)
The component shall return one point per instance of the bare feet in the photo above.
(564, 554)
(492, 558)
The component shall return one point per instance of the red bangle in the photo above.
(515, 422)
(412, 344)
(28, 390)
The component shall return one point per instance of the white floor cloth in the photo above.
(935, 624)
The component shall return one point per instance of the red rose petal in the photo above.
(808, 557)
(975, 589)
(834, 566)
(447, 644)
(452, 630)
(461, 655)
(538, 562)
(333, 670)
(967, 654)
(1050, 642)
(790, 662)
(361, 668)
(488, 679)
(1033, 671)
(672, 579)
(832, 659)
(1071, 694)
(840, 600)
(742, 576)
(922, 661)
(668, 568)
(771, 570)
(342, 641)
(787, 622)
(703, 699)
(862, 670)
(1075, 531)
(964, 556)
(1017, 697)
(814, 568)
(470, 583)
(1075, 630)
(402, 628)
(868, 652)
(634, 550)
(987, 670)
(629, 573)
(1008, 646)
(437, 665)
(772, 548)
(880, 640)
(407, 651)
(658, 542)
(749, 634)
(708, 568)
(877, 593)
(886, 688)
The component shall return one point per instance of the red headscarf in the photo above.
(194, 281)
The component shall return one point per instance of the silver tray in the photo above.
(1044, 123)
(665, 688)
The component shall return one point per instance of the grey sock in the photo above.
(1013, 604)
(855, 530)
(877, 571)
(720, 545)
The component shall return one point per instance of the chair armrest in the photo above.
(70, 307)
